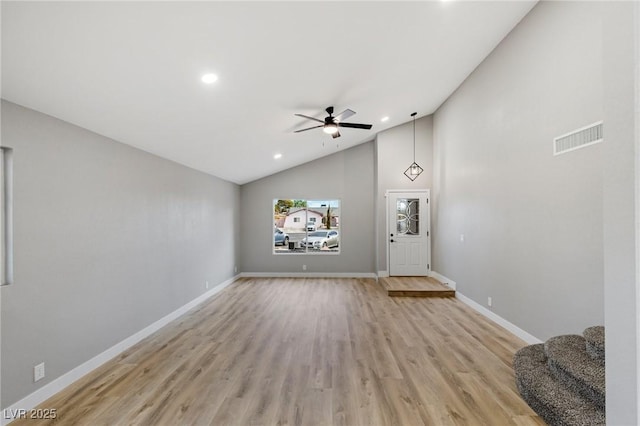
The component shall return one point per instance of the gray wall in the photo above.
(621, 155)
(108, 239)
(346, 175)
(394, 153)
(532, 222)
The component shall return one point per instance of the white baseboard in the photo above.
(308, 275)
(383, 274)
(55, 386)
(530, 339)
(444, 280)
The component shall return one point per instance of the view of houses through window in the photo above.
(306, 226)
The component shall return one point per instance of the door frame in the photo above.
(427, 193)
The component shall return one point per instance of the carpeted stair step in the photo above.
(553, 400)
(570, 363)
(594, 337)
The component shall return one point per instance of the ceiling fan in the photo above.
(330, 124)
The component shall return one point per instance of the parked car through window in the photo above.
(321, 240)
(280, 238)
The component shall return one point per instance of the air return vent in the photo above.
(577, 139)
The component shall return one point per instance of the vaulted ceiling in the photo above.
(132, 71)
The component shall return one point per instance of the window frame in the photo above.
(319, 223)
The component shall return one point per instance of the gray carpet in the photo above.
(569, 361)
(595, 342)
(561, 381)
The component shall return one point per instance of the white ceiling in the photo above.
(131, 71)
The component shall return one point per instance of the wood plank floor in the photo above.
(308, 352)
(416, 287)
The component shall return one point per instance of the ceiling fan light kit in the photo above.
(331, 124)
(414, 170)
(330, 128)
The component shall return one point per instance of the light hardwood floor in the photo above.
(307, 352)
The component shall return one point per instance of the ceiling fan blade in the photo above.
(355, 125)
(344, 114)
(336, 135)
(308, 128)
(310, 118)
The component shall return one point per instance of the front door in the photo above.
(409, 239)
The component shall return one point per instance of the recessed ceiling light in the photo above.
(383, 119)
(277, 156)
(209, 78)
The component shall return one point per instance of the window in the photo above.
(306, 226)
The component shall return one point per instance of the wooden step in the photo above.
(416, 287)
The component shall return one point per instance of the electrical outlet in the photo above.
(489, 301)
(38, 372)
(304, 267)
(206, 284)
(235, 269)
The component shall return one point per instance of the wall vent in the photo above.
(579, 138)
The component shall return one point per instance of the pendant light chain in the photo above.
(414, 136)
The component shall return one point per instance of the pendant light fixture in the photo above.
(414, 169)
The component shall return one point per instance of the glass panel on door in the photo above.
(408, 216)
